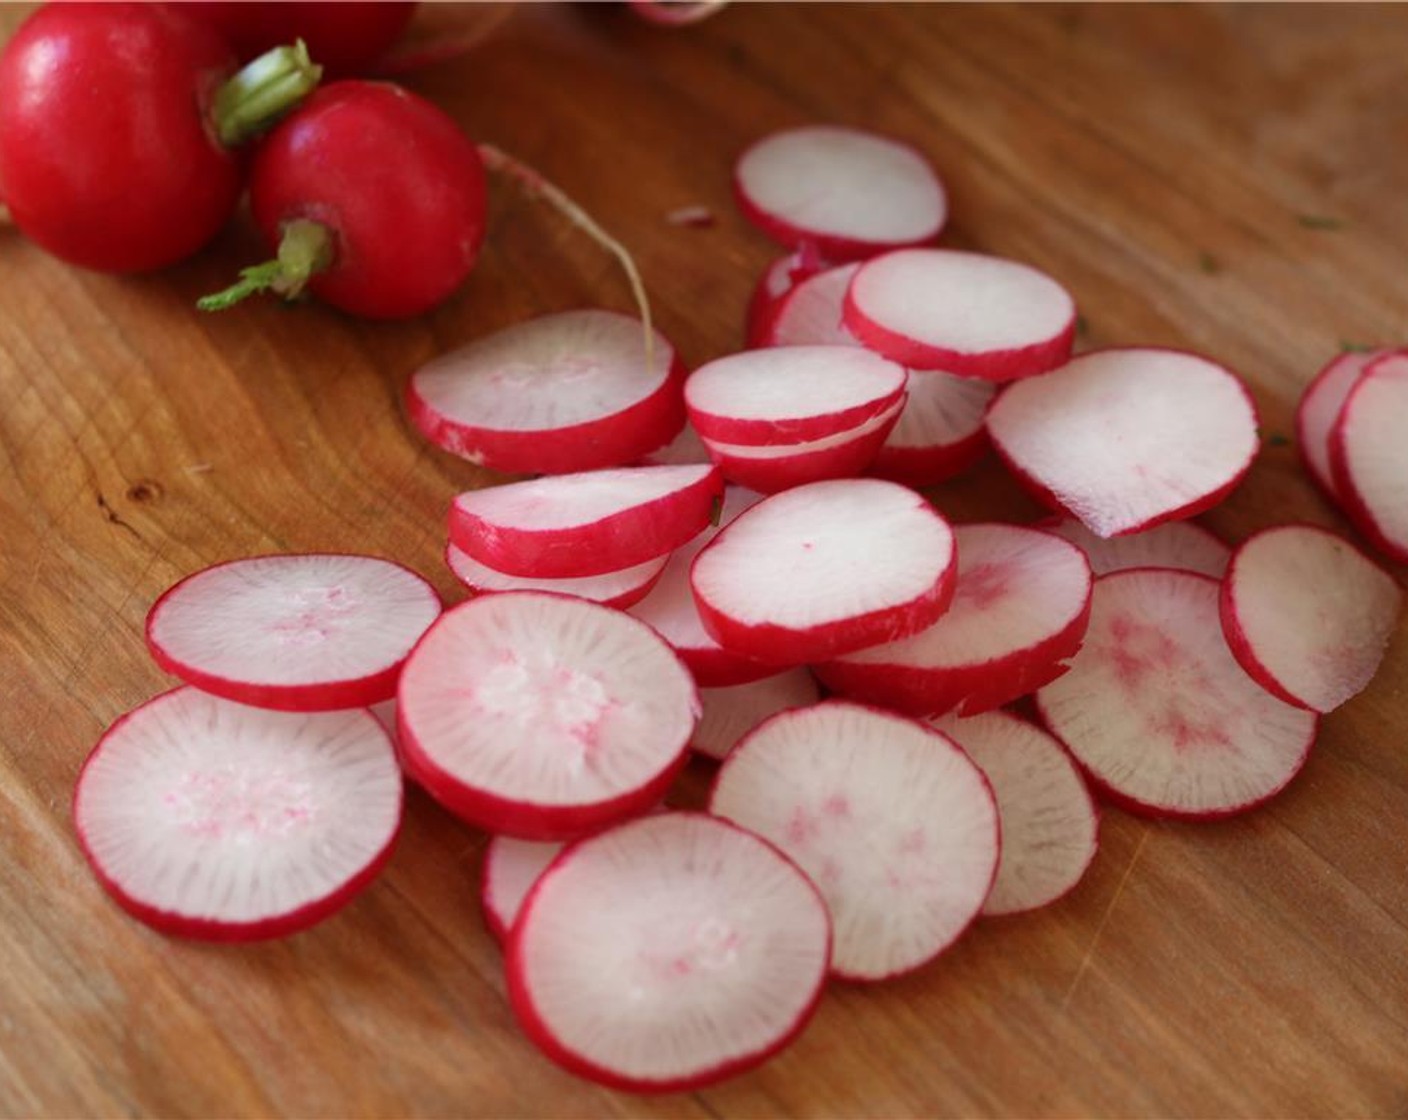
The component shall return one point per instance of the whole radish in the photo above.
(344, 37)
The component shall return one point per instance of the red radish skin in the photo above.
(1176, 544)
(511, 867)
(777, 280)
(1369, 456)
(1320, 406)
(730, 713)
(343, 37)
(611, 589)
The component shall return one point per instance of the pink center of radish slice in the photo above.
(241, 804)
(313, 615)
(541, 692)
(710, 945)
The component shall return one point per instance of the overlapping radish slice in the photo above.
(1308, 615)
(613, 589)
(302, 632)
(963, 313)
(1158, 711)
(1050, 826)
(543, 716)
(730, 713)
(554, 395)
(214, 820)
(1320, 407)
(1126, 439)
(1369, 455)
(823, 569)
(849, 192)
(1019, 614)
(1174, 544)
(584, 524)
(668, 953)
(511, 867)
(893, 822)
(777, 280)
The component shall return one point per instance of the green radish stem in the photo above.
(263, 92)
(305, 248)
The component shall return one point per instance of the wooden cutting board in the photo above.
(1228, 179)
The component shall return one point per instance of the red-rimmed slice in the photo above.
(303, 632)
(1319, 408)
(1308, 615)
(612, 589)
(893, 822)
(511, 867)
(543, 716)
(668, 953)
(1019, 613)
(730, 713)
(1159, 713)
(1369, 455)
(584, 524)
(777, 280)
(214, 820)
(1126, 439)
(1175, 544)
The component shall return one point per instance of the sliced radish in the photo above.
(613, 589)
(963, 313)
(1319, 408)
(676, 13)
(893, 822)
(303, 632)
(777, 280)
(584, 524)
(1159, 712)
(214, 820)
(684, 449)
(1175, 544)
(1308, 615)
(544, 716)
(511, 867)
(1050, 827)
(1126, 439)
(1369, 455)
(1019, 613)
(812, 313)
(824, 569)
(730, 713)
(849, 192)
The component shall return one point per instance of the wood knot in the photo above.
(145, 490)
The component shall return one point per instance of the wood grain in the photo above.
(1170, 164)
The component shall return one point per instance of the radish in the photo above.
(557, 394)
(511, 867)
(1019, 614)
(306, 632)
(1319, 408)
(1050, 827)
(543, 716)
(684, 449)
(1308, 615)
(344, 37)
(1159, 713)
(1126, 439)
(584, 524)
(963, 313)
(777, 280)
(893, 822)
(730, 713)
(612, 589)
(1370, 457)
(676, 13)
(1174, 544)
(213, 820)
(824, 569)
(668, 953)
(846, 192)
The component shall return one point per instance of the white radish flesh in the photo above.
(730, 713)
(511, 867)
(613, 589)
(1369, 454)
(1175, 544)
(777, 280)
(1319, 408)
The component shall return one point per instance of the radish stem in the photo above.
(263, 91)
(305, 249)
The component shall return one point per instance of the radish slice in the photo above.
(1370, 455)
(777, 280)
(849, 192)
(1019, 613)
(1308, 615)
(214, 820)
(893, 822)
(686, 448)
(543, 716)
(1175, 544)
(1050, 827)
(584, 524)
(1160, 714)
(1126, 439)
(557, 394)
(730, 713)
(824, 569)
(305, 632)
(613, 589)
(963, 313)
(511, 867)
(676, 13)
(1319, 408)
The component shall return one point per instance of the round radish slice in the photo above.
(848, 192)
(1175, 544)
(214, 820)
(684, 449)
(730, 713)
(963, 313)
(613, 589)
(1319, 408)
(1308, 615)
(1159, 712)
(893, 822)
(668, 953)
(825, 569)
(511, 867)
(776, 281)
(305, 632)
(1370, 456)
(1050, 827)
(543, 716)
(584, 524)
(1019, 613)
(1126, 439)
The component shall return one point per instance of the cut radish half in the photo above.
(557, 394)
(215, 820)
(543, 716)
(1159, 712)
(849, 192)
(1127, 439)
(812, 313)
(730, 713)
(1175, 544)
(668, 953)
(1050, 827)
(511, 867)
(1319, 408)
(584, 524)
(1308, 615)
(825, 569)
(963, 313)
(613, 589)
(1369, 455)
(1019, 613)
(777, 280)
(304, 632)
(893, 822)
(684, 449)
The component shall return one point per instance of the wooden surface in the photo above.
(1229, 179)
